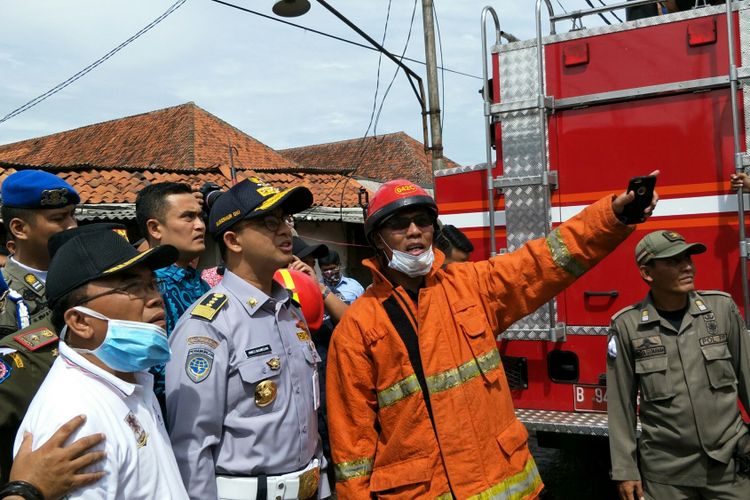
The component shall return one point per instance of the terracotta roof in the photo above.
(110, 162)
(382, 157)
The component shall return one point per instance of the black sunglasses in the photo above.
(402, 222)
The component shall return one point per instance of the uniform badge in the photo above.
(212, 343)
(252, 301)
(57, 197)
(303, 335)
(209, 306)
(644, 315)
(198, 364)
(141, 438)
(672, 236)
(33, 282)
(35, 339)
(17, 359)
(265, 393)
(5, 370)
(712, 327)
(274, 363)
(700, 305)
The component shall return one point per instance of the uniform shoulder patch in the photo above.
(33, 282)
(624, 310)
(198, 364)
(36, 339)
(209, 307)
(5, 370)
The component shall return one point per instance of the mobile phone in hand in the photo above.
(643, 187)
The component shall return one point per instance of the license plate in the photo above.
(590, 398)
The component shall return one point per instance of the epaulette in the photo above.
(624, 310)
(36, 339)
(209, 306)
(714, 292)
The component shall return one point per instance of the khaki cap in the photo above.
(663, 244)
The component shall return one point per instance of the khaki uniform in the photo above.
(32, 291)
(26, 357)
(689, 382)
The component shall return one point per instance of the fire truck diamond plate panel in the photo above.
(525, 206)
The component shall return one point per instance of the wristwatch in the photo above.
(21, 489)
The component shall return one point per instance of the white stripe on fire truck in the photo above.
(696, 205)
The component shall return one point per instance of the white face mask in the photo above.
(411, 265)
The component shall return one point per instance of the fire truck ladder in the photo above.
(526, 181)
(523, 108)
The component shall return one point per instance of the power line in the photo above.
(442, 73)
(328, 35)
(395, 74)
(57, 88)
(377, 78)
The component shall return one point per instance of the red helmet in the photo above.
(306, 293)
(392, 197)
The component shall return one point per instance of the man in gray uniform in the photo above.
(242, 384)
(689, 354)
(36, 205)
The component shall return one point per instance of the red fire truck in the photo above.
(570, 118)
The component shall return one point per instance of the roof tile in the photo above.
(382, 158)
(110, 162)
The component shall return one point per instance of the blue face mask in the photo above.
(130, 346)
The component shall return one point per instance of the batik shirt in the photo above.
(180, 288)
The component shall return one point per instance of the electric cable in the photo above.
(334, 37)
(57, 88)
(364, 145)
(395, 74)
(611, 11)
(380, 59)
(442, 73)
(600, 14)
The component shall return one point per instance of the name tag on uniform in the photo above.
(646, 347)
(257, 351)
(713, 339)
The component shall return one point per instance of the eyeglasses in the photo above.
(134, 289)
(402, 223)
(274, 222)
(331, 272)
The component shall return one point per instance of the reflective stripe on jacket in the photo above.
(382, 440)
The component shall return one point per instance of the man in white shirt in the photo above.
(110, 316)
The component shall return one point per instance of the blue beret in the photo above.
(37, 189)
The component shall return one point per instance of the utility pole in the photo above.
(433, 94)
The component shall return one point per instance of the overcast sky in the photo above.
(284, 86)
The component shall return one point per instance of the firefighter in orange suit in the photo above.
(418, 402)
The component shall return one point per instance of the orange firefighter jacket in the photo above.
(382, 440)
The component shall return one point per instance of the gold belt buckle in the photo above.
(308, 484)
